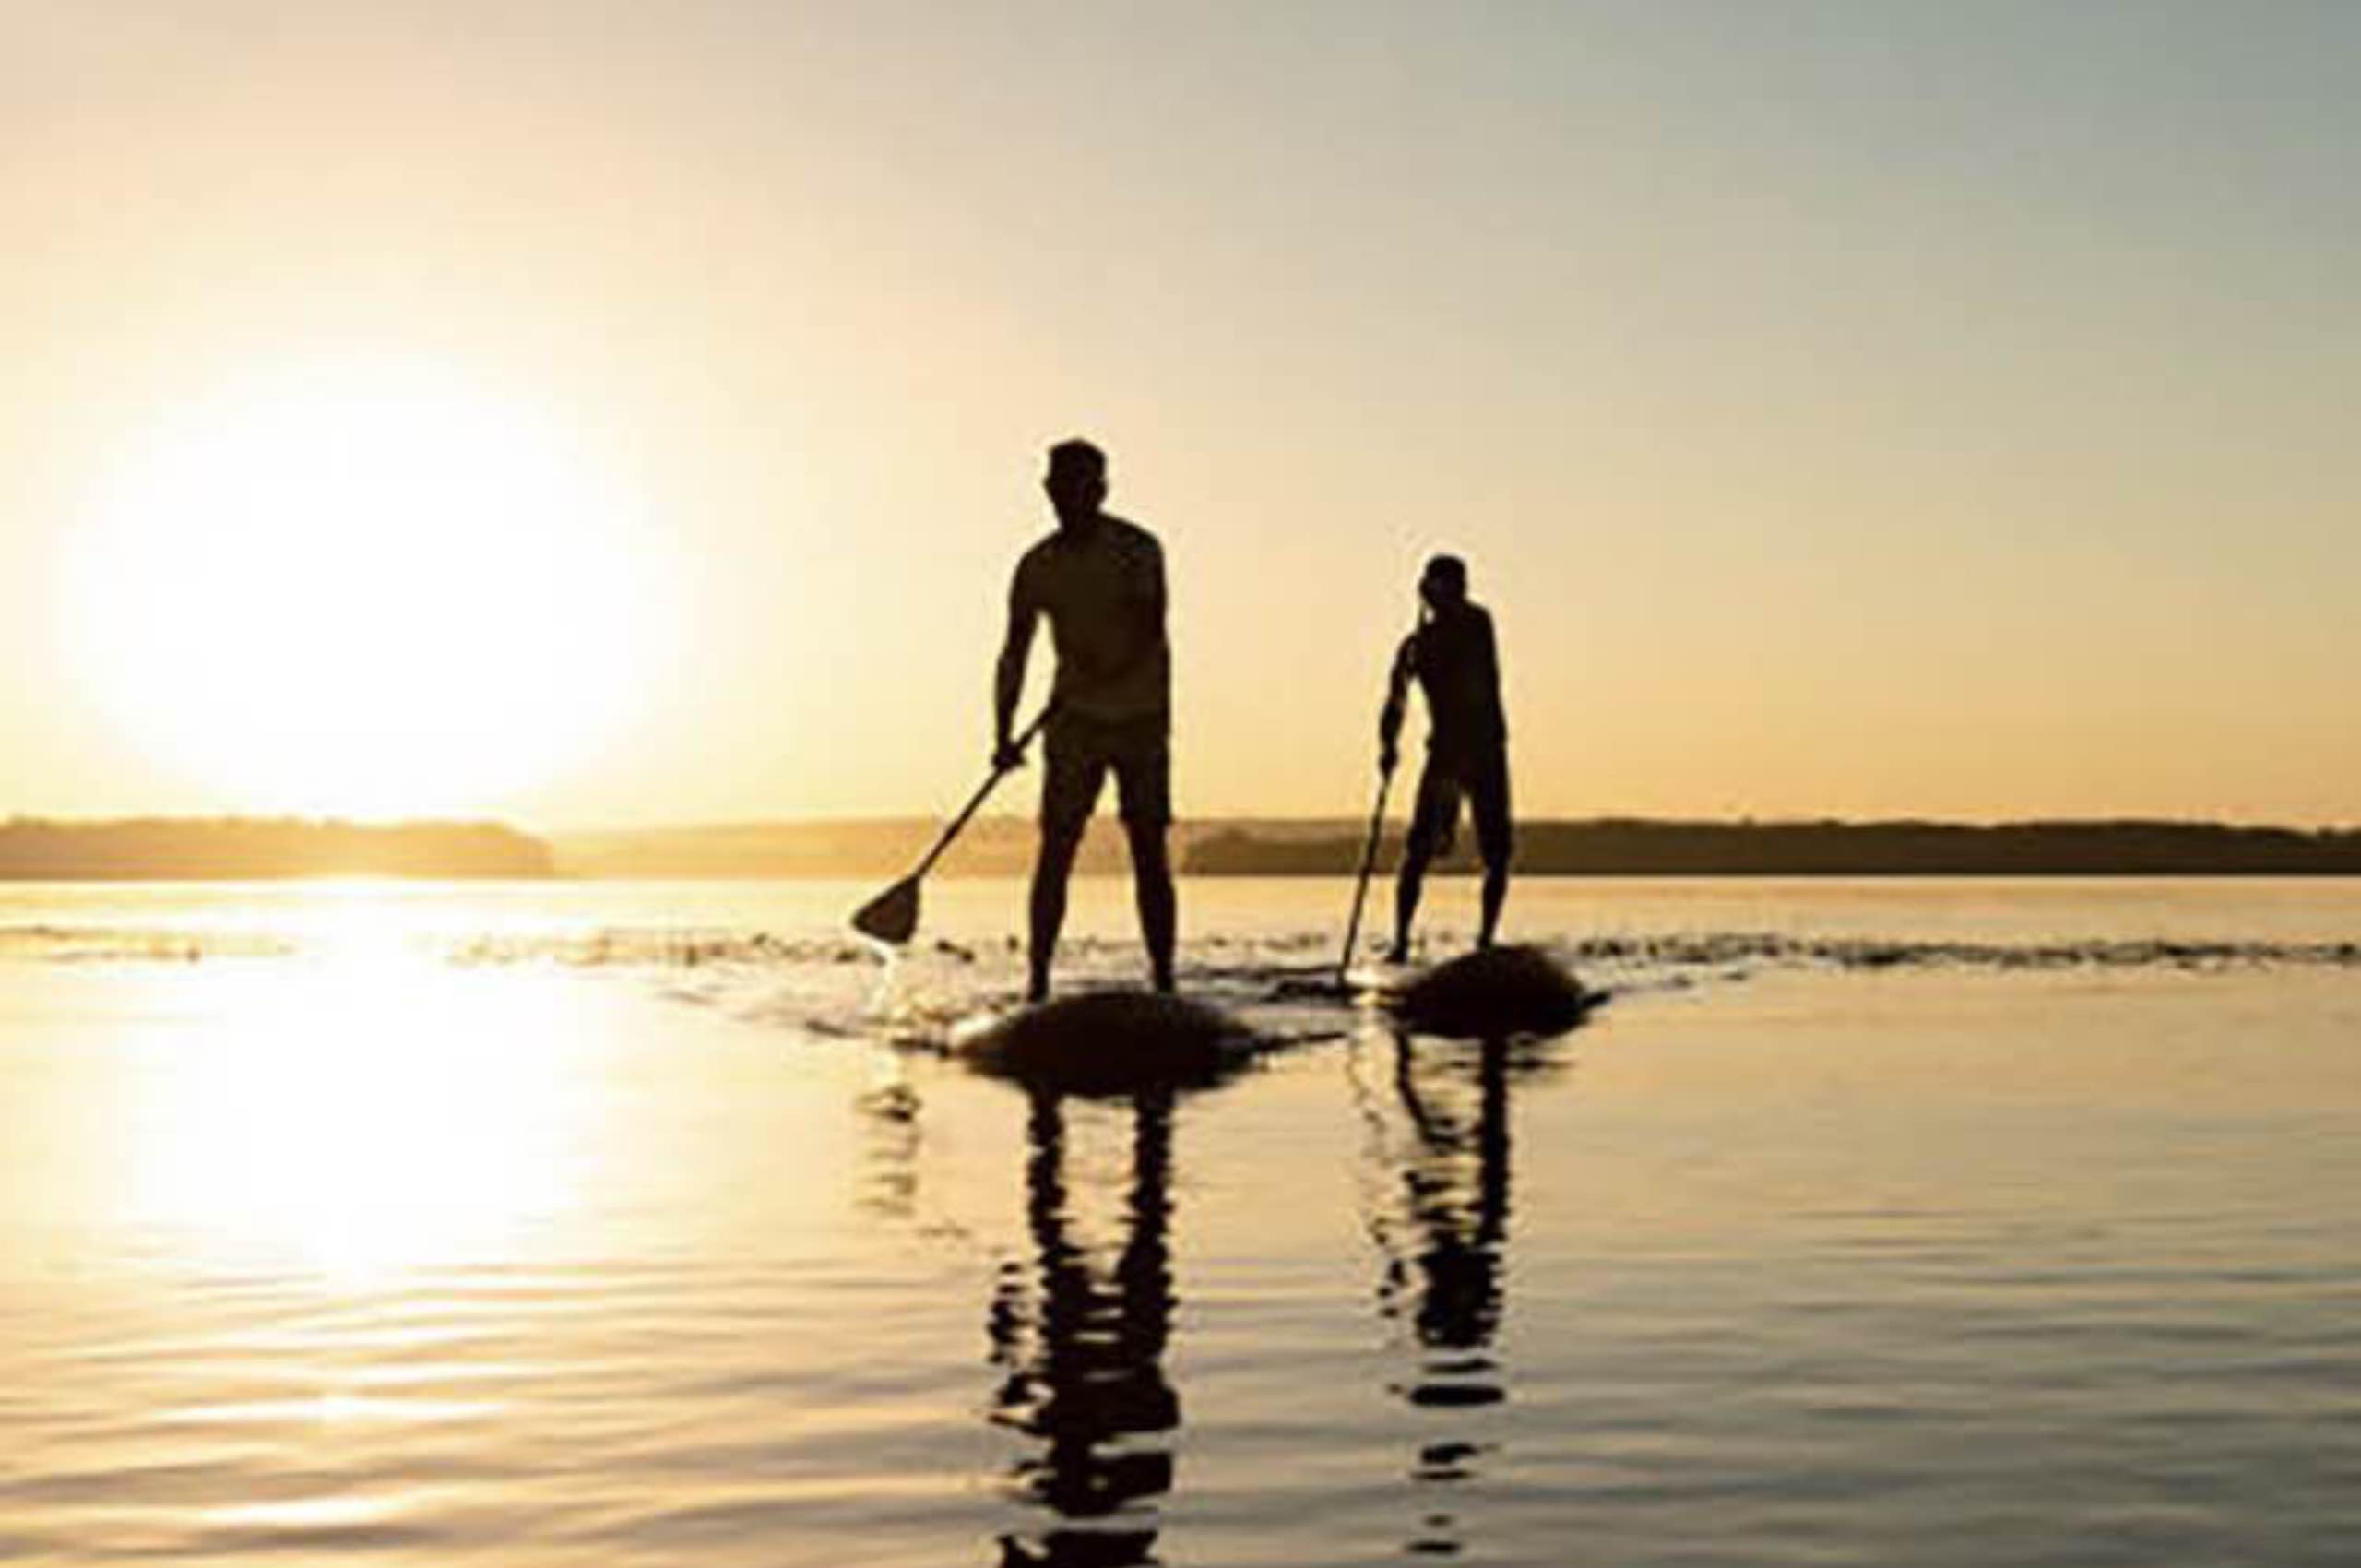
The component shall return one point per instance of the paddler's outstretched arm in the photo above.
(1008, 675)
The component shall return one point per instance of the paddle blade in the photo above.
(893, 916)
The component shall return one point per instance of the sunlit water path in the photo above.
(611, 1224)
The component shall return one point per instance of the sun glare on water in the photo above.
(361, 1116)
(365, 589)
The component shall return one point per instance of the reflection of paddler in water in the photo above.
(1082, 1341)
(1455, 1197)
(1446, 1246)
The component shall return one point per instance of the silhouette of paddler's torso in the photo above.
(1102, 590)
(1452, 654)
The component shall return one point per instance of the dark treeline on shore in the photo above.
(1633, 846)
(181, 849)
(1599, 847)
(209, 848)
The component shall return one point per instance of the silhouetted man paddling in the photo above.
(1101, 582)
(1453, 658)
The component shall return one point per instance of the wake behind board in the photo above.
(1492, 993)
(1109, 1042)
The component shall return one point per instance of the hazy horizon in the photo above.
(597, 417)
(879, 847)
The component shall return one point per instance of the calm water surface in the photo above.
(1869, 1223)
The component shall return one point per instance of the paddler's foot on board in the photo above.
(1164, 984)
(1398, 954)
(1037, 990)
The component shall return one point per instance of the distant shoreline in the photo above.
(1585, 847)
(264, 849)
(273, 848)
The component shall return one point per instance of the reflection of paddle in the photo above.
(893, 916)
(1360, 888)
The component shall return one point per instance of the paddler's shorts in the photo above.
(1483, 780)
(1079, 752)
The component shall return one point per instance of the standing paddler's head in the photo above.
(1076, 482)
(1443, 585)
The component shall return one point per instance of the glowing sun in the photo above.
(365, 589)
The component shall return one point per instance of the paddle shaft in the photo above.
(976, 801)
(1360, 888)
(1368, 855)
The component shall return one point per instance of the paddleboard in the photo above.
(1109, 1042)
(1495, 993)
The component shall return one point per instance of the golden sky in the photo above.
(600, 413)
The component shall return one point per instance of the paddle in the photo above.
(893, 916)
(1360, 888)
